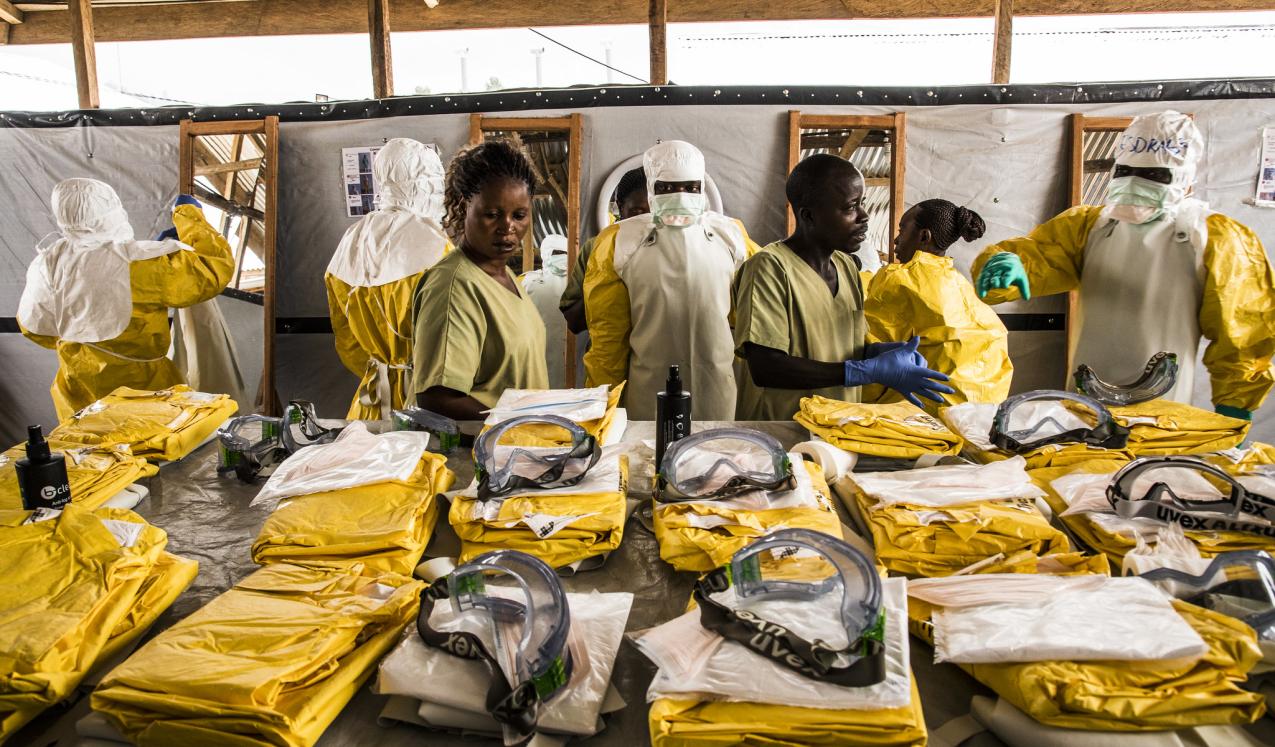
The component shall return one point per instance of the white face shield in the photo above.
(675, 161)
(409, 176)
(90, 209)
(1168, 140)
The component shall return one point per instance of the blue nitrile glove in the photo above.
(169, 233)
(1234, 412)
(187, 200)
(1003, 270)
(897, 369)
(873, 349)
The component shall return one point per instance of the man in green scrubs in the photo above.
(798, 306)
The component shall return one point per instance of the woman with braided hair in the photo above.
(476, 332)
(924, 294)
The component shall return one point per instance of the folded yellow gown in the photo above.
(382, 526)
(1113, 536)
(928, 537)
(559, 526)
(702, 535)
(78, 589)
(270, 662)
(900, 430)
(161, 426)
(1123, 696)
(96, 473)
(1165, 428)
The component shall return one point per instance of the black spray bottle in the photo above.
(42, 474)
(672, 414)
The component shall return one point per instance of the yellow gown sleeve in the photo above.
(348, 349)
(606, 307)
(194, 277)
(750, 246)
(1237, 314)
(44, 341)
(1052, 254)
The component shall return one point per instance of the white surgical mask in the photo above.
(1133, 199)
(678, 209)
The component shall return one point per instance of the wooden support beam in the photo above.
(270, 175)
(657, 23)
(80, 14)
(898, 175)
(852, 143)
(378, 27)
(575, 165)
(1002, 41)
(200, 20)
(232, 167)
(4, 32)
(9, 13)
(794, 156)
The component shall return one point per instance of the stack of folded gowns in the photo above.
(1077, 494)
(79, 588)
(937, 521)
(894, 431)
(364, 499)
(713, 691)
(1091, 652)
(572, 527)
(160, 426)
(95, 473)
(974, 422)
(1162, 427)
(700, 535)
(271, 661)
(411, 674)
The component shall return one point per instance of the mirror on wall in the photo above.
(874, 144)
(554, 145)
(232, 169)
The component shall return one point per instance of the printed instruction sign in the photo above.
(361, 190)
(1266, 170)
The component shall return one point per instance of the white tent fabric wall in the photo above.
(1007, 162)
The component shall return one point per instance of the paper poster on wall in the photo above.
(1266, 170)
(361, 190)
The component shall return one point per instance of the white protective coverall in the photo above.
(374, 272)
(545, 286)
(657, 293)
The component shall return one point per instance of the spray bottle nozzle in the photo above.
(674, 383)
(37, 447)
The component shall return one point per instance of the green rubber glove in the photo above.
(1003, 270)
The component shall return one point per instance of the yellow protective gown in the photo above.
(163, 425)
(1115, 696)
(74, 596)
(375, 270)
(382, 527)
(780, 302)
(270, 662)
(660, 296)
(960, 335)
(925, 541)
(1115, 545)
(1162, 427)
(89, 370)
(899, 431)
(702, 535)
(533, 522)
(473, 335)
(96, 473)
(1236, 307)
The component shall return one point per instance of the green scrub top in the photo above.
(473, 335)
(780, 302)
(575, 282)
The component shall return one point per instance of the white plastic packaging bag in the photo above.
(355, 458)
(950, 485)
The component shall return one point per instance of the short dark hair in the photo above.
(947, 222)
(632, 181)
(809, 180)
(476, 165)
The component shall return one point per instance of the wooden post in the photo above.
(85, 56)
(898, 175)
(794, 155)
(1004, 36)
(378, 26)
(270, 173)
(475, 129)
(575, 162)
(659, 42)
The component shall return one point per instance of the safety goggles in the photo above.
(502, 470)
(1237, 509)
(1020, 434)
(764, 569)
(1239, 584)
(533, 612)
(412, 418)
(1159, 376)
(721, 463)
(251, 446)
